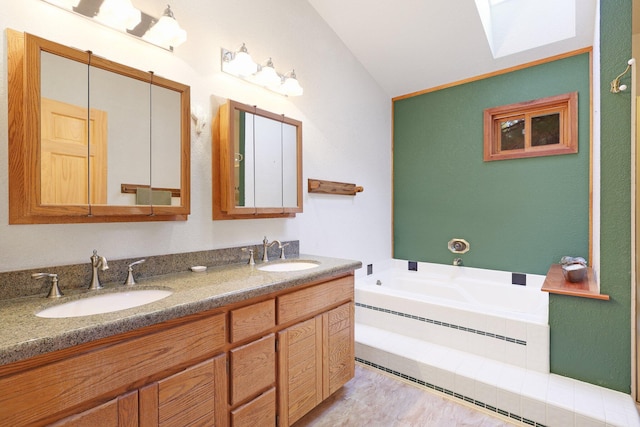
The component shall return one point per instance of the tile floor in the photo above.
(376, 399)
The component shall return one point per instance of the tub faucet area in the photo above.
(457, 261)
(100, 262)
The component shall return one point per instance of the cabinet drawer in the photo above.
(305, 302)
(261, 411)
(252, 368)
(89, 376)
(253, 320)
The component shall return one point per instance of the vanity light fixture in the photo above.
(119, 14)
(65, 4)
(123, 16)
(290, 84)
(267, 75)
(240, 64)
(166, 32)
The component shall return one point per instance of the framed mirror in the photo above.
(91, 140)
(257, 164)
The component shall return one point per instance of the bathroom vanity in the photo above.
(231, 346)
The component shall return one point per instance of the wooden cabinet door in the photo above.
(339, 351)
(252, 368)
(300, 375)
(119, 412)
(195, 396)
(260, 412)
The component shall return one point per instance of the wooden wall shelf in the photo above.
(332, 187)
(555, 283)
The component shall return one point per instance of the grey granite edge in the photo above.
(76, 336)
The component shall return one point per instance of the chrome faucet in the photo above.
(265, 248)
(100, 262)
(130, 281)
(54, 291)
(457, 261)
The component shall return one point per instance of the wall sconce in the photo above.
(121, 15)
(240, 64)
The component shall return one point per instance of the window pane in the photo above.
(545, 130)
(512, 135)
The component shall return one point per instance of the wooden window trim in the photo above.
(566, 105)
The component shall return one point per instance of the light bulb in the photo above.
(166, 32)
(119, 14)
(267, 76)
(291, 86)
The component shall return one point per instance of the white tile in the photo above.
(515, 329)
(588, 401)
(443, 378)
(534, 409)
(538, 357)
(560, 417)
(585, 421)
(486, 393)
(535, 385)
(495, 325)
(508, 401)
(494, 349)
(465, 385)
(511, 378)
(515, 354)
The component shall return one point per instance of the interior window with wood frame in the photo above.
(542, 127)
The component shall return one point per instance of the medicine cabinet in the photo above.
(257, 163)
(91, 140)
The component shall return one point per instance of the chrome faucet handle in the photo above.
(97, 261)
(281, 247)
(130, 280)
(252, 260)
(265, 248)
(54, 292)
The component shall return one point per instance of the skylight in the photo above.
(513, 26)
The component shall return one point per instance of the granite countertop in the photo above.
(24, 335)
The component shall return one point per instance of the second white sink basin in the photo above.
(289, 266)
(105, 303)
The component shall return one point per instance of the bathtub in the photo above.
(477, 311)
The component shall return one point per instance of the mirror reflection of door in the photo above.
(68, 164)
(268, 162)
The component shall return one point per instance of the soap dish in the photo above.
(198, 268)
(574, 272)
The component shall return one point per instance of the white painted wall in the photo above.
(346, 132)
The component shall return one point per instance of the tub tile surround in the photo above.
(499, 375)
(16, 284)
(530, 397)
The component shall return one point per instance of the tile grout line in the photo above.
(444, 324)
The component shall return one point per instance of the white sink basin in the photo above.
(289, 266)
(105, 303)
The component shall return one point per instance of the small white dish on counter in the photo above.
(198, 268)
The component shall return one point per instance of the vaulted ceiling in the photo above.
(412, 45)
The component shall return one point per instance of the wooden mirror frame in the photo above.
(23, 61)
(223, 159)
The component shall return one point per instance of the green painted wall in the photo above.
(522, 215)
(590, 340)
(518, 215)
